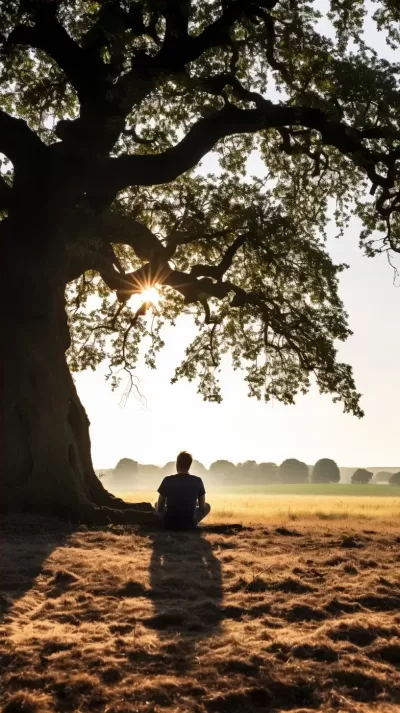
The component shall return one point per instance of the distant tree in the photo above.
(169, 468)
(382, 477)
(148, 471)
(223, 472)
(222, 467)
(149, 476)
(293, 471)
(148, 468)
(126, 465)
(124, 472)
(267, 473)
(361, 476)
(395, 479)
(325, 471)
(198, 468)
(246, 471)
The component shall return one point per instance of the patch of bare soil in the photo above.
(216, 621)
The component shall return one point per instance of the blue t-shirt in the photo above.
(182, 492)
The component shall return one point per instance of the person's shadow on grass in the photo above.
(186, 589)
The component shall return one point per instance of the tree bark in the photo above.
(46, 460)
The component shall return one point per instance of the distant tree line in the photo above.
(128, 473)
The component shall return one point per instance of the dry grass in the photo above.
(259, 508)
(263, 619)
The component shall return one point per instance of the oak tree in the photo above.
(222, 467)
(361, 476)
(292, 470)
(126, 131)
(124, 474)
(325, 471)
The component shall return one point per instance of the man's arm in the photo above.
(202, 495)
(161, 503)
(162, 498)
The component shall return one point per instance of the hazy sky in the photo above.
(240, 428)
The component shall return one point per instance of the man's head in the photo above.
(183, 462)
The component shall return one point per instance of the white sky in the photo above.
(240, 428)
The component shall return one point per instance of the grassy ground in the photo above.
(336, 489)
(298, 617)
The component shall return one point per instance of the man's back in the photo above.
(181, 491)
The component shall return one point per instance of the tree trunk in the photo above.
(46, 463)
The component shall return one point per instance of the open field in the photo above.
(294, 503)
(302, 617)
(331, 489)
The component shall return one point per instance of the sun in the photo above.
(150, 295)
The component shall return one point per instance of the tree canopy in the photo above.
(268, 472)
(222, 467)
(107, 110)
(126, 465)
(124, 474)
(292, 470)
(361, 476)
(325, 471)
(382, 476)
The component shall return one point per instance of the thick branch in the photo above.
(218, 271)
(105, 103)
(83, 67)
(176, 13)
(17, 141)
(5, 194)
(178, 49)
(269, 23)
(118, 228)
(194, 290)
(217, 33)
(114, 228)
(205, 133)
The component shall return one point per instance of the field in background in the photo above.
(306, 489)
(297, 503)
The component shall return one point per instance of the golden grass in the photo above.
(298, 617)
(258, 508)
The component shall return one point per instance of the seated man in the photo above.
(177, 503)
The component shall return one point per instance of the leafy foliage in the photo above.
(122, 101)
(267, 473)
(382, 477)
(124, 473)
(361, 476)
(222, 467)
(293, 471)
(325, 471)
(394, 479)
(126, 465)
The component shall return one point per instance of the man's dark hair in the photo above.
(184, 461)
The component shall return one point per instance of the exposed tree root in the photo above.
(92, 515)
